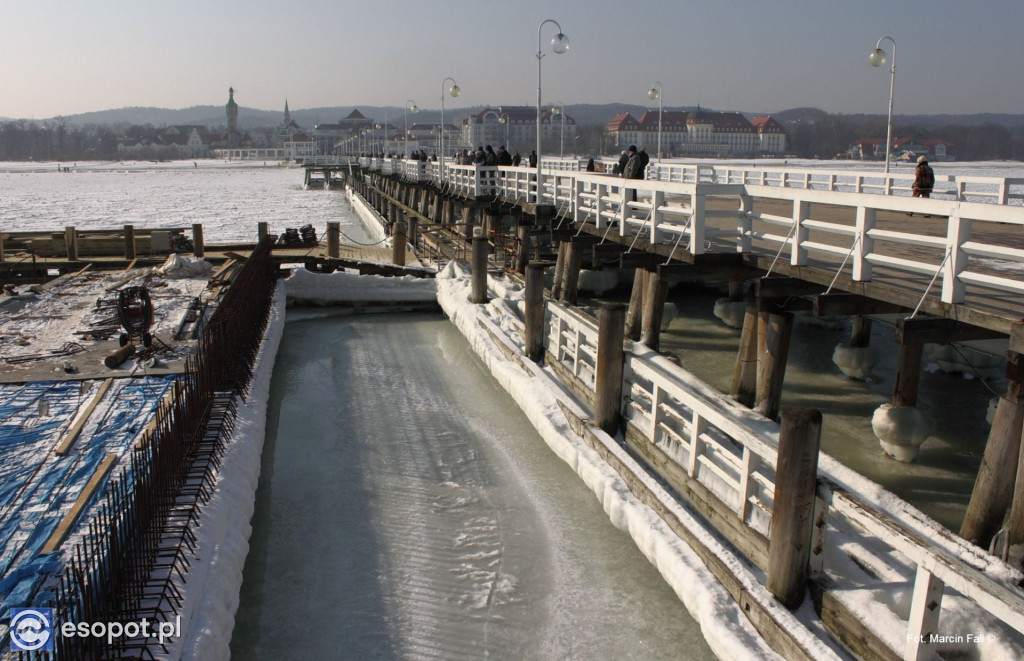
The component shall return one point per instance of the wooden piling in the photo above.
(198, 247)
(398, 243)
(634, 316)
(333, 239)
(534, 313)
(608, 374)
(743, 388)
(860, 335)
(908, 374)
(655, 292)
(71, 239)
(771, 365)
(129, 242)
(556, 284)
(523, 255)
(262, 230)
(479, 279)
(793, 510)
(571, 276)
(993, 490)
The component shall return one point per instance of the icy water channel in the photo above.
(407, 509)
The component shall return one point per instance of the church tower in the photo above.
(231, 109)
(287, 115)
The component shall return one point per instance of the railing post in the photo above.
(479, 281)
(925, 607)
(534, 313)
(865, 222)
(958, 232)
(608, 387)
(793, 510)
(801, 211)
(698, 222)
(744, 224)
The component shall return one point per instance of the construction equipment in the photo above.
(135, 312)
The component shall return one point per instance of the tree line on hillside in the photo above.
(831, 135)
(825, 137)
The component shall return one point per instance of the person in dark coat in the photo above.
(624, 159)
(504, 158)
(644, 160)
(590, 165)
(490, 158)
(517, 158)
(924, 178)
(533, 158)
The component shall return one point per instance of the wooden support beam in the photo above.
(607, 252)
(744, 376)
(69, 520)
(634, 315)
(841, 304)
(533, 327)
(782, 287)
(72, 434)
(771, 364)
(655, 292)
(924, 330)
(908, 375)
(571, 277)
(640, 260)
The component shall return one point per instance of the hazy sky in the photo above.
(59, 57)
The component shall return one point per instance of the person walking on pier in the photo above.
(517, 158)
(504, 158)
(924, 178)
(533, 158)
(490, 158)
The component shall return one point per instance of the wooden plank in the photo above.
(69, 520)
(856, 636)
(940, 331)
(67, 277)
(69, 438)
(831, 305)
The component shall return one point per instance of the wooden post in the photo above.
(333, 239)
(534, 313)
(634, 316)
(860, 336)
(744, 375)
(523, 256)
(655, 291)
(796, 473)
(129, 242)
(571, 276)
(262, 230)
(413, 229)
(908, 375)
(771, 366)
(1017, 509)
(479, 280)
(994, 487)
(556, 283)
(198, 247)
(71, 238)
(398, 241)
(608, 375)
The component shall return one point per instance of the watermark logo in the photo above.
(32, 629)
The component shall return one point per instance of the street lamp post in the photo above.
(560, 110)
(559, 44)
(507, 121)
(878, 58)
(405, 115)
(455, 92)
(655, 93)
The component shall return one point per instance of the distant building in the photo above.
(349, 129)
(516, 128)
(903, 149)
(299, 146)
(172, 142)
(698, 133)
(231, 110)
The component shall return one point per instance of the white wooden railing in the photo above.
(732, 453)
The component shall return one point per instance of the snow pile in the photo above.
(341, 287)
(215, 577)
(854, 362)
(731, 313)
(954, 359)
(901, 430)
(178, 267)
